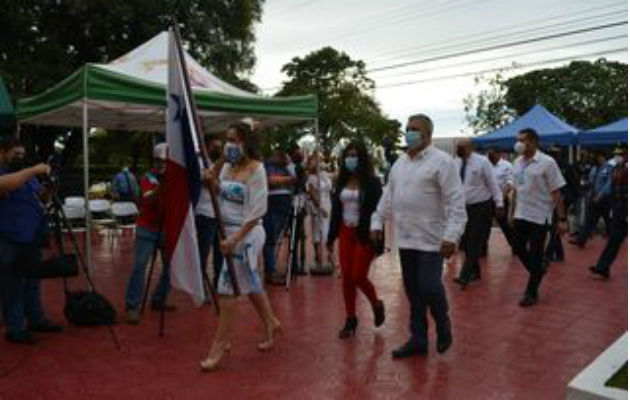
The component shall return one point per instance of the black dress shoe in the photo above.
(578, 243)
(379, 313)
(527, 301)
(596, 271)
(163, 307)
(349, 328)
(444, 342)
(462, 282)
(45, 326)
(409, 349)
(20, 337)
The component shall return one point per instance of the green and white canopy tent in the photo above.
(129, 94)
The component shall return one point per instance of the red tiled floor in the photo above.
(501, 351)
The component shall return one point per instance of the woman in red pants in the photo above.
(354, 200)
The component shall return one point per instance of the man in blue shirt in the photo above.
(599, 200)
(23, 225)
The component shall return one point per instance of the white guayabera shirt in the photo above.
(425, 199)
(534, 180)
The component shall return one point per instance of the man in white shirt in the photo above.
(504, 175)
(425, 200)
(205, 217)
(482, 194)
(537, 184)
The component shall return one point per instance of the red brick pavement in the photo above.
(500, 352)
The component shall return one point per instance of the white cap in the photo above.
(160, 151)
(250, 121)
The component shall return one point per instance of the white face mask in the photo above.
(519, 147)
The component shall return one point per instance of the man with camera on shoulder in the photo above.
(23, 228)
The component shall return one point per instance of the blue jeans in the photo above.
(146, 243)
(208, 236)
(278, 210)
(422, 276)
(21, 298)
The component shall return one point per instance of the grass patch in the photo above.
(620, 379)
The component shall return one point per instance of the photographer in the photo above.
(23, 224)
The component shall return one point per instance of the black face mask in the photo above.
(17, 164)
(214, 154)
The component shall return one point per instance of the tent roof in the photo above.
(7, 114)
(129, 94)
(552, 130)
(609, 134)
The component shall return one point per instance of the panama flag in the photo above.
(183, 181)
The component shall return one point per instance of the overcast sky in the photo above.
(387, 33)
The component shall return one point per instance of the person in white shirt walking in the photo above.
(537, 184)
(482, 194)
(504, 175)
(424, 197)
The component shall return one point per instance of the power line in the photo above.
(499, 69)
(500, 46)
(502, 57)
(490, 35)
(353, 32)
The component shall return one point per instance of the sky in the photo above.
(430, 37)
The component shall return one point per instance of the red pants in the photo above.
(355, 259)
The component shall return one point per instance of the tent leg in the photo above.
(86, 190)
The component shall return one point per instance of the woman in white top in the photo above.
(355, 198)
(243, 197)
(318, 188)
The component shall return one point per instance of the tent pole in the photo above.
(86, 188)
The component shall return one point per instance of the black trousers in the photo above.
(529, 245)
(618, 231)
(479, 222)
(555, 249)
(422, 276)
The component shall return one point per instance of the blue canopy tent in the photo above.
(551, 129)
(606, 135)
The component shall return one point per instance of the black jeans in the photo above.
(207, 237)
(422, 276)
(529, 245)
(618, 231)
(475, 235)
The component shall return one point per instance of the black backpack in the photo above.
(88, 308)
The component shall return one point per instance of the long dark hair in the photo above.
(365, 169)
(251, 146)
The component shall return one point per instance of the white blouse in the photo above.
(350, 201)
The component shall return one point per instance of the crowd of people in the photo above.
(435, 203)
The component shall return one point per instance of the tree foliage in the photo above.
(347, 108)
(585, 94)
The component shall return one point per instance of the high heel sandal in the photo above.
(211, 363)
(268, 344)
(349, 328)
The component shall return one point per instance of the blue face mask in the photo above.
(351, 163)
(412, 138)
(233, 153)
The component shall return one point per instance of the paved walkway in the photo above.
(500, 351)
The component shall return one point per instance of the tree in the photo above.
(347, 109)
(487, 109)
(585, 94)
(43, 41)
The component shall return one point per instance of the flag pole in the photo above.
(204, 157)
